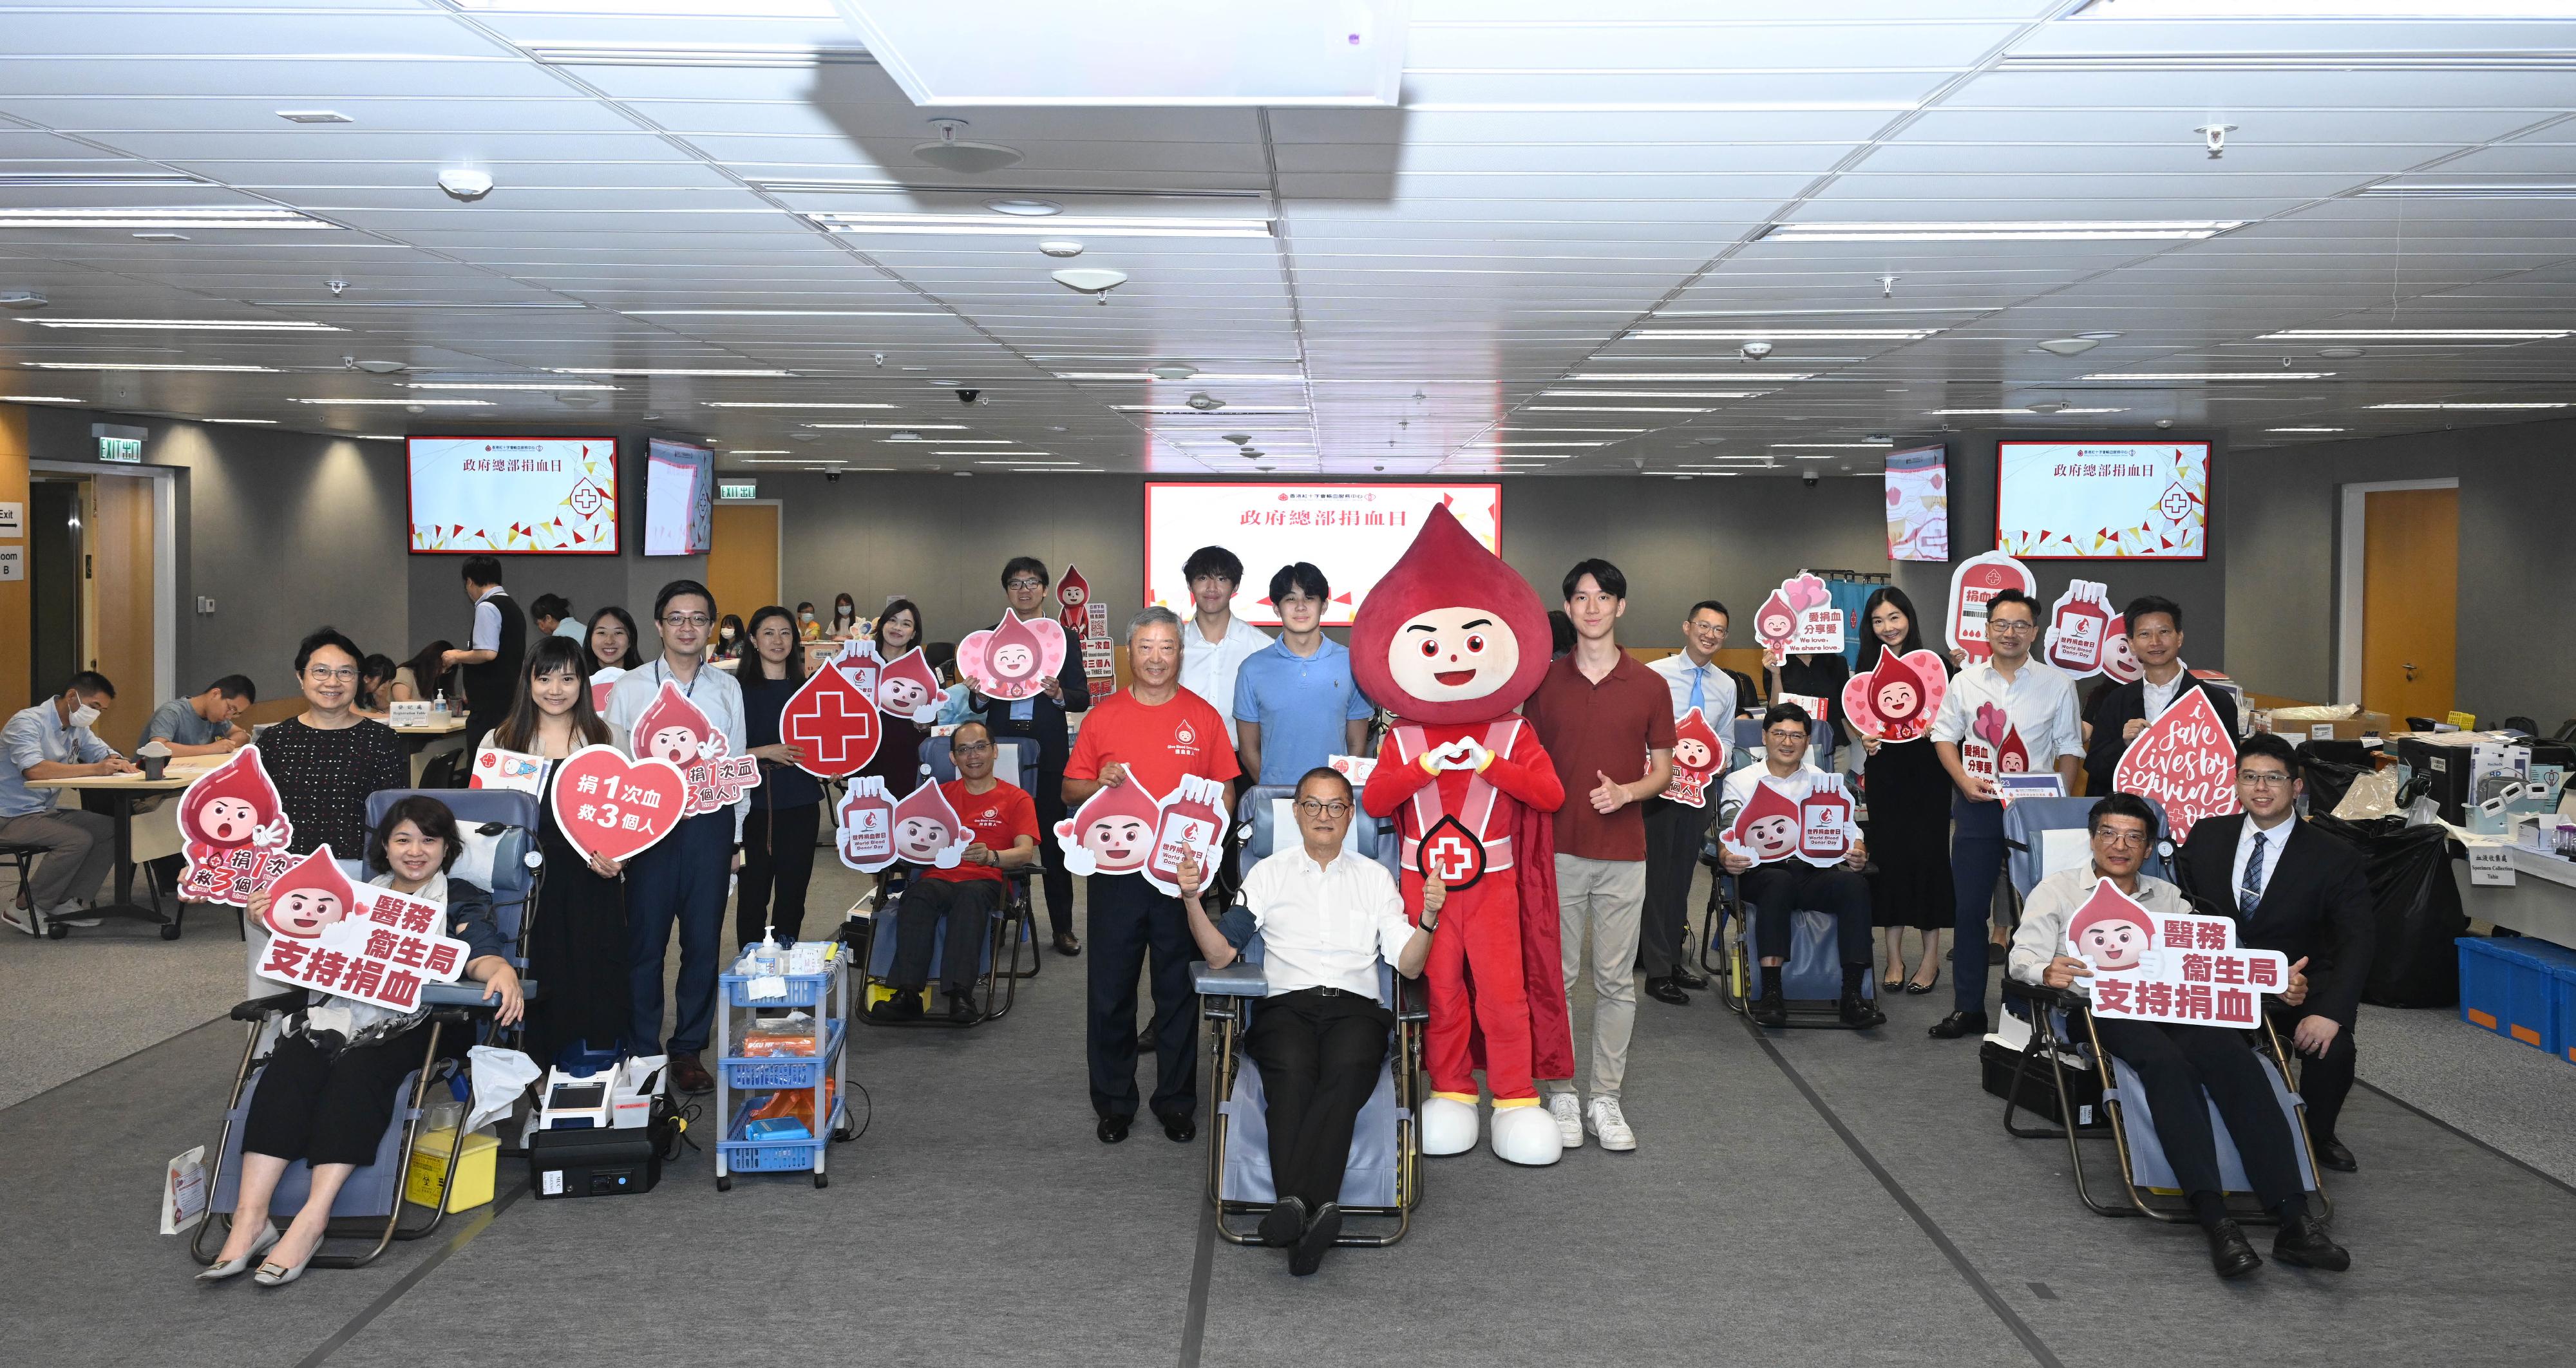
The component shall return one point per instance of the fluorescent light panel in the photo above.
(2190, 376)
(2303, 429)
(1830, 446)
(894, 427)
(783, 313)
(208, 324)
(2418, 335)
(1633, 376)
(622, 370)
(1652, 394)
(1058, 225)
(38, 399)
(407, 403)
(2018, 412)
(779, 404)
(142, 366)
(2112, 230)
(1185, 411)
(2497, 190)
(1604, 408)
(1204, 377)
(160, 218)
(2518, 405)
(1789, 334)
(472, 385)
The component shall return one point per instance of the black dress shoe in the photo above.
(1959, 1024)
(1857, 1012)
(1319, 1235)
(2231, 1255)
(1769, 1010)
(1066, 945)
(961, 1010)
(1666, 990)
(690, 1076)
(1112, 1129)
(1285, 1223)
(1687, 979)
(902, 1007)
(1179, 1126)
(2333, 1155)
(1919, 989)
(2303, 1241)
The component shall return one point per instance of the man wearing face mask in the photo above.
(52, 740)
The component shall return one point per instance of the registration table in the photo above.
(124, 792)
(420, 737)
(2541, 900)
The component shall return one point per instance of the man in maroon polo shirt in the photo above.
(1607, 722)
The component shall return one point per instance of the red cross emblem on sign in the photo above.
(834, 723)
(1452, 854)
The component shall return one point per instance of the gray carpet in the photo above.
(978, 1221)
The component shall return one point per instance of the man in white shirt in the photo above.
(1773, 891)
(1674, 830)
(1326, 919)
(2007, 714)
(1215, 642)
(52, 740)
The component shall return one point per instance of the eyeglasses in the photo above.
(2263, 778)
(319, 673)
(1786, 734)
(685, 619)
(1308, 807)
(2123, 840)
(2008, 627)
(1024, 582)
(969, 747)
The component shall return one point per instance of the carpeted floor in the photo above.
(1820, 1196)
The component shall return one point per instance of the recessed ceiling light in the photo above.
(481, 385)
(247, 422)
(208, 324)
(756, 403)
(2115, 230)
(314, 116)
(2303, 429)
(142, 366)
(1603, 408)
(37, 399)
(2417, 335)
(2017, 412)
(977, 225)
(2217, 375)
(1652, 394)
(161, 218)
(406, 403)
(1632, 376)
(2472, 406)
(1789, 334)
(618, 370)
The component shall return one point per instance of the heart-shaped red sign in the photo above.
(607, 804)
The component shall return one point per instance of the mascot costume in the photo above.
(1452, 640)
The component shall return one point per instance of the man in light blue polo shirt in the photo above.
(1295, 703)
(52, 740)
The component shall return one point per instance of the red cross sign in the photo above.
(833, 722)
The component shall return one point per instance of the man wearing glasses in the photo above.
(2304, 895)
(2019, 712)
(1004, 826)
(1674, 830)
(684, 877)
(1775, 890)
(1024, 585)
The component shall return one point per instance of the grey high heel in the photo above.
(234, 1268)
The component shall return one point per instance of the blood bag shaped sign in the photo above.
(234, 832)
(2184, 760)
(1978, 579)
(922, 829)
(832, 719)
(1125, 829)
(1188, 824)
(1898, 698)
(2079, 628)
(675, 729)
(1798, 619)
(611, 805)
(2184, 970)
(1012, 659)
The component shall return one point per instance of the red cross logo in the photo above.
(831, 735)
(1452, 858)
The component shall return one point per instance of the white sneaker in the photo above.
(1568, 1111)
(17, 918)
(1604, 1120)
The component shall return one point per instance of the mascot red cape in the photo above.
(1452, 640)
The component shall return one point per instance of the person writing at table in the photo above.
(207, 723)
(52, 740)
(328, 1091)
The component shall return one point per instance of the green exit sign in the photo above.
(120, 443)
(746, 489)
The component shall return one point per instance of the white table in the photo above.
(2540, 902)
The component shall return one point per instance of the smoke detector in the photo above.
(465, 183)
(22, 299)
(2046, 406)
(965, 158)
(1204, 402)
(2068, 346)
(1096, 281)
(1173, 372)
(380, 367)
(1060, 247)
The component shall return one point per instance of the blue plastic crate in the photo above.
(767, 1156)
(2521, 989)
(791, 1072)
(803, 990)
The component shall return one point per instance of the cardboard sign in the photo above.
(602, 682)
(1816, 708)
(908, 688)
(234, 831)
(1356, 768)
(2079, 628)
(2490, 865)
(1699, 760)
(356, 940)
(515, 771)
(2012, 788)
(1073, 591)
(1798, 619)
(922, 829)
(1826, 832)
(1899, 698)
(415, 712)
(606, 804)
(2117, 663)
(2179, 969)
(1190, 823)
(1113, 831)
(1011, 660)
(1768, 827)
(832, 718)
(674, 729)
(863, 825)
(1992, 748)
(2184, 760)
(1978, 579)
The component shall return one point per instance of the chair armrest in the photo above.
(2063, 999)
(258, 1008)
(1239, 979)
(1412, 998)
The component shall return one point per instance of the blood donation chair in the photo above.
(499, 830)
(1010, 928)
(1382, 1183)
(1811, 981)
(2096, 1095)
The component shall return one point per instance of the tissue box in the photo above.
(428, 1171)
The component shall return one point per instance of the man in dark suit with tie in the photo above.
(2304, 894)
(2116, 718)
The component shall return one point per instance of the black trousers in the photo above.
(1129, 921)
(2174, 1064)
(1674, 834)
(777, 866)
(1052, 876)
(1319, 1054)
(1776, 890)
(329, 1108)
(966, 906)
(2324, 1080)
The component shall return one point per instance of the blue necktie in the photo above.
(1699, 693)
(2251, 891)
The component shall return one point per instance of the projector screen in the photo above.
(1918, 504)
(1352, 532)
(2102, 500)
(519, 495)
(679, 499)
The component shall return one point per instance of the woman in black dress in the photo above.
(1909, 814)
(327, 759)
(577, 945)
(787, 808)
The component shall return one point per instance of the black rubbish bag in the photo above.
(2329, 770)
(2419, 917)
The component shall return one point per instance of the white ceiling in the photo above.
(1550, 185)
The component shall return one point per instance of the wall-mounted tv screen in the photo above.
(679, 499)
(1918, 504)
(518, 496)
(1354, 533)
(2102, 500)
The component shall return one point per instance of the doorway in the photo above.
(101, 586)
(743, 564)
(2401, 563)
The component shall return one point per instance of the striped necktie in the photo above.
(2251, 891)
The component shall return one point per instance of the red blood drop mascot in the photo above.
(1453, 640)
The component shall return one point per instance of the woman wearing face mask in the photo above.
(329, 1089)
(729, 643)
(807, 629)
(1909, 815)
(787, 809)
(577, 946)
(327, 759)
(845, 618)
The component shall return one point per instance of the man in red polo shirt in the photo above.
(1148, 736)
(1607, 722)
(1003, 824)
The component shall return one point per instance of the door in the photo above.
(2410, 601)
(742, 566)
(118, 613)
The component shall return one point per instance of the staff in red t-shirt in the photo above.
(1004, 823)
(1150, 735)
